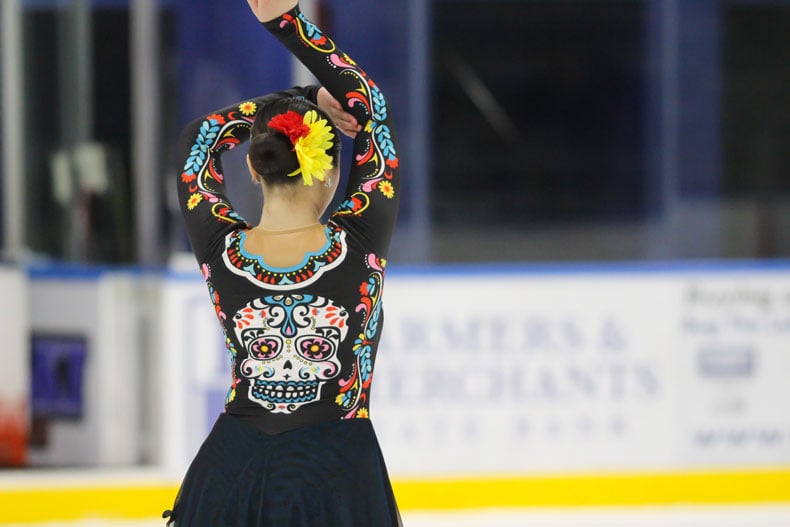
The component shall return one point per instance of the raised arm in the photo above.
(267, 10)
(371, 199)
(202, 196)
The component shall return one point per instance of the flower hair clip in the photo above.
(310, 136)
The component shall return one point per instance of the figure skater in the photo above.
(299, 301)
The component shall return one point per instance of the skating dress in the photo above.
(295, 446)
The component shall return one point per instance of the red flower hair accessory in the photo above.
(310, 136)
(291, 124)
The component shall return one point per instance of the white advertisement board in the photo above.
(526, 373)
(533, 372)
(734, 368)
(194, 372)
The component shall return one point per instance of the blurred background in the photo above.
(596, 221)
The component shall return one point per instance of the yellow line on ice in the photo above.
(597, 490)
(76, 503)
(53, 503)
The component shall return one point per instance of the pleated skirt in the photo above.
(326, 475)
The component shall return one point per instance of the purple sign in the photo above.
(58, 366)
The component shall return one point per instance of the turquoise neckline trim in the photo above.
(284, 270)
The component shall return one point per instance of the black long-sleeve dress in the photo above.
(295, 446)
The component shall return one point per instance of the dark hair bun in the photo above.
(272, 156)
(271, 152)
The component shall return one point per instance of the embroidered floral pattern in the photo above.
(252, 267)
(194, 200)
(248, 108)
(354, 390)
(379, 158)
(309, 32)
(206, 271)
(201, 172)
(387, 189)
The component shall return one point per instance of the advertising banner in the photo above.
(524, 373)
(734, 370)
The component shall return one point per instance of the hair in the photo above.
(271, 152)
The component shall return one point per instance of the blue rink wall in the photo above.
(494, 385)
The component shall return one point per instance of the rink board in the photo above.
(510, 371)
(14, 370)
(512, 387)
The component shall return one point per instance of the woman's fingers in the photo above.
(266, 10)
(254, 6)
(345, 122)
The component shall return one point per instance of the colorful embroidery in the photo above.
(379, 157)
(252, 267)
(201, 171)
(206, 270)
(194, 200)
(309, 33)
(387, 189)
(353, 396)
(248, 108)
(355, 204)
(292, 344)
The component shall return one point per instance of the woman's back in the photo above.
(301, 312)
(301, 309)
(286, 247)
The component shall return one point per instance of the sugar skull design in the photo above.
(292, 343)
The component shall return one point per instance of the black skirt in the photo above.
(326, 475)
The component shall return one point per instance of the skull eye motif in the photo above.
(291, 343)
(318, 347)
(265, 348)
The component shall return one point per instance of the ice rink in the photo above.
(582, 210)
(675, 516)
(123, 493)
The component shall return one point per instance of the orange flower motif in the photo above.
(363, 413)
(248, 108)
(217, 117)
(194, 199)
(188, 178)
(393, 163)
(387, 189)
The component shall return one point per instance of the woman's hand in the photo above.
(344, 121)
(266, 10)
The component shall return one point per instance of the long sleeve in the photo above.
(207, 212)
(302, 338)
(370, 207)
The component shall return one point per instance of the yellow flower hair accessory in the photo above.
(311, 149)
(311, 137)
